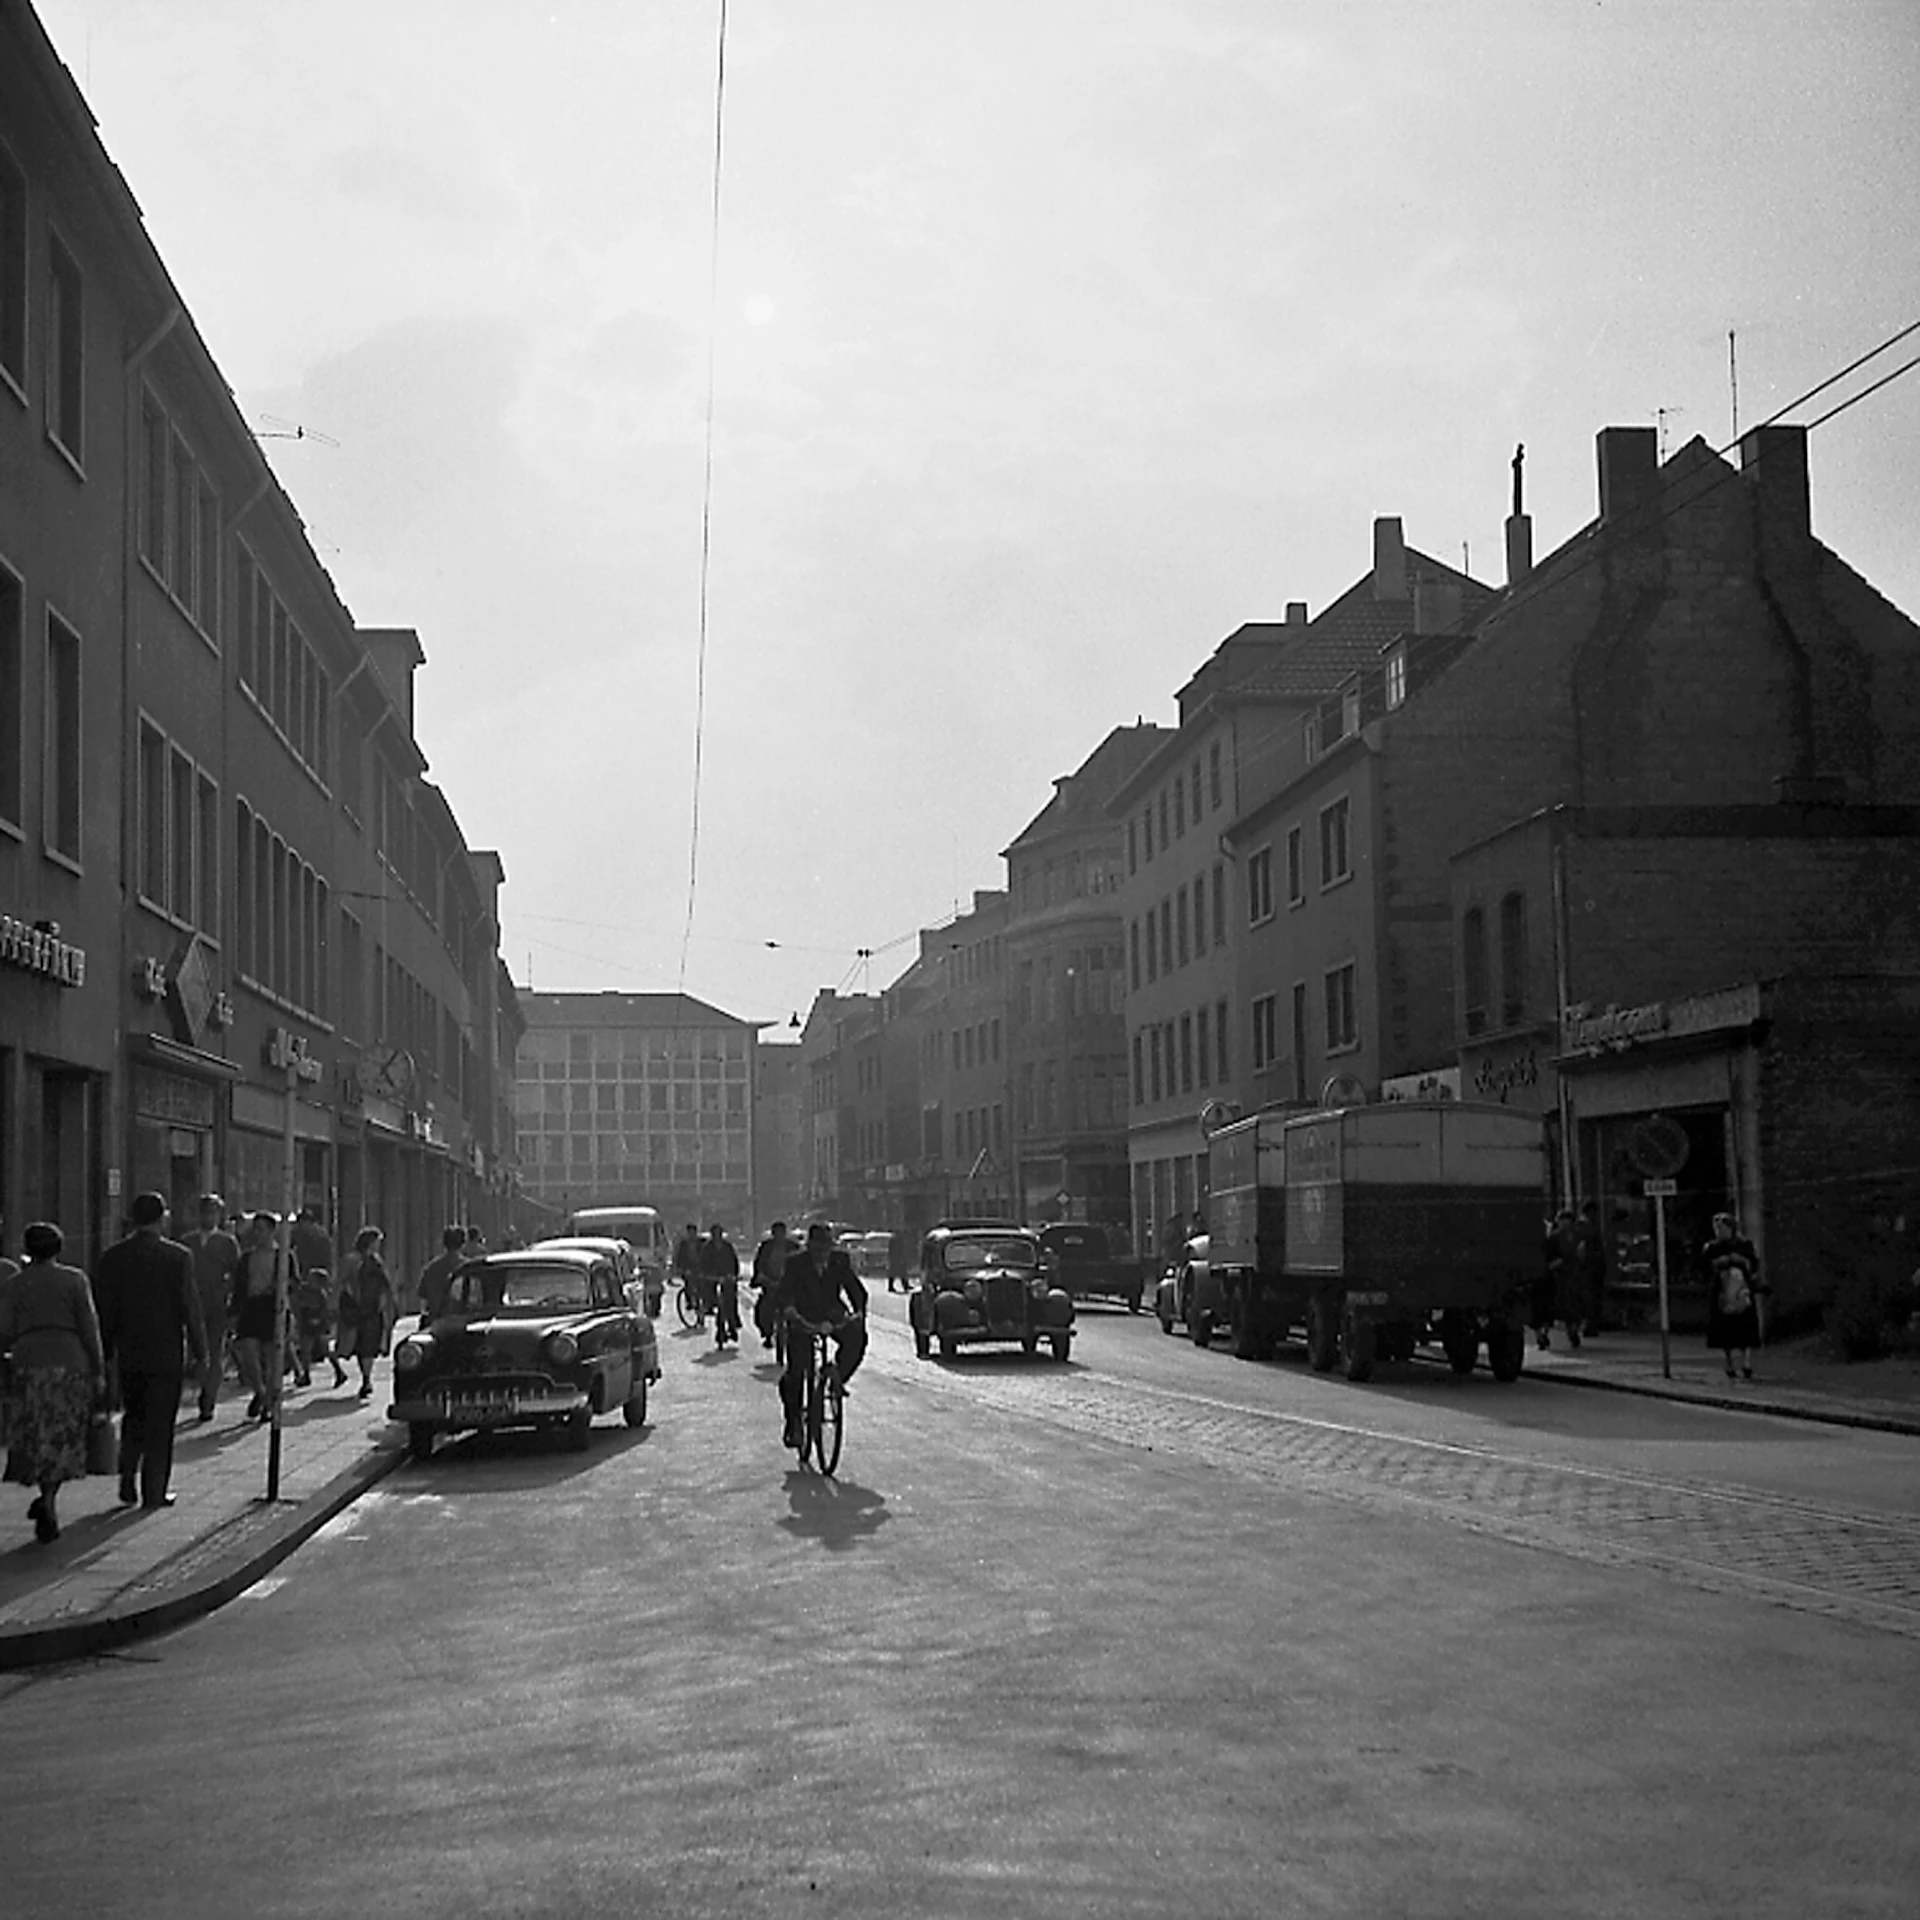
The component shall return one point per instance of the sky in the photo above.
(1050, 341)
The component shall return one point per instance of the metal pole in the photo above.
(282, 1255)
(1660, 1260)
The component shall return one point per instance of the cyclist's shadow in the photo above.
(838, 1513)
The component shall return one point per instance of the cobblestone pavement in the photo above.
(1816, 1556)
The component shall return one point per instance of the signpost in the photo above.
(1660, 1192)
(282, 1256)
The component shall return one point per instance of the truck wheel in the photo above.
(1357, 1339)
(949, 1346)
(1029, 1344)
(1323, 1342)
(1062, 1345)
(1200, 1326)
(1506, 1350)
(1133, 1301)
(1461, 1340)
(1246, 1342)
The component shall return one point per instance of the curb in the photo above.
(1824, 1416)
(114, 1627)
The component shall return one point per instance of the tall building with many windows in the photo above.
(643, 1097)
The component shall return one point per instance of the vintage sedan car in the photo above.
(1179, 1287)
(643, 1286)
(541, 1337)
(985, 1282)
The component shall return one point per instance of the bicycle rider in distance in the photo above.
(816, 1283)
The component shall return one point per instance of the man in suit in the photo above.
(820, 1286)
(149, 1314)
(215, 1255)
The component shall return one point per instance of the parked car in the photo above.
(986, 1282)
(1177, 1288)
(1081, 1257)
(541, 1337)
(644, 1286)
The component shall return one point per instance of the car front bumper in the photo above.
(464, 1411)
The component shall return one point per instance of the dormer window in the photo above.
(1396, 678)
(1349, 713)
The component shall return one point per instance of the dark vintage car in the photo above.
(541, 1337)
(1081, 1256)
(985, 1282)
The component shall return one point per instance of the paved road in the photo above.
(1127, 1638)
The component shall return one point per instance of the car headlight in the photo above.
(1038, 1289)
(563, 1349)
(409, 1355)
(974, 1291)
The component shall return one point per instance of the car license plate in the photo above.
(481, 1409)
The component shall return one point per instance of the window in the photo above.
(66, 352)
(1179, 809)
(283, 673)
(1186, 1053)
(152, 775)
(1153, 1061)
(1513, 960)
(1335, 861)
(1341, 1031)
(1180, 925)
(61, 821)
(1260, 886)
(1166, 840)
(1296, 868)
(13, 697)
(1219, 903)
(1133, 952)
(1220, 1042)
(1199, 913)
(1349, 713)
(1166, 936)
(1213, 775)
(1310, 737)
(1473, 961)
(1146, 832)
(1133, 847)
(1299, 1039)
(1200, 1052)
(13, 274)
(1396, 678)
(1139, 1089)
(1265, 1047)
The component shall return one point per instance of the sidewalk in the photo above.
(1797, 1379)
(117, 1572)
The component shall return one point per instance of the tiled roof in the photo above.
(1350, 633)
(1081, 797)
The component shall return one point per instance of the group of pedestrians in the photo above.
(154, 1308)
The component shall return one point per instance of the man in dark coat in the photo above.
(720, 1273)
(820, 1286)
(149, 1317)
(215, 1255)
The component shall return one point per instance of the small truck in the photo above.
(1080, 1257)
(1373, 1229)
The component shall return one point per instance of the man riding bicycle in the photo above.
(821, 1288)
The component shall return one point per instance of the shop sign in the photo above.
(1443, 1083)
(286, 1049)
(1615, 1029)
(1493, 1082)
(39, 949)
(172, 1097)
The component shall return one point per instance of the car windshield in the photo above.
(523, 1287)
(997, 1252)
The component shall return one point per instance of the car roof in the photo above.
(586, 1242)
(977, 1226)
(541, 1254)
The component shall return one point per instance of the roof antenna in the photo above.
(1661, 416)
(1733, 383)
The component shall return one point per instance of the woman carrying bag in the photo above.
(58, 1370)
(368, 1306)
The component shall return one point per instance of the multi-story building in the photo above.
(1196, 884)
(186, 711)
(779, 1185)
(1066, 981)
(638, 1097)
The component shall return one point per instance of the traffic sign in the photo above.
(1063, 1198)
(1658, 1146)
(1659, 1189)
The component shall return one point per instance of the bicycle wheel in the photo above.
(813, 1414)
(833, 1417)
(685, 1305)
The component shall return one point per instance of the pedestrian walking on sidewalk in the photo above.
(149, 1319)
(215, 1255)
(1589, 1268)
(312, 1296)
(251, 1308)
(1557, 1296)
(1732, 1269)
(57, 1371)
(367, 1306)
(436, 1277)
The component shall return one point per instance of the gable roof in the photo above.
(1080, 797)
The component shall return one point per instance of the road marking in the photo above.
(261, 1588)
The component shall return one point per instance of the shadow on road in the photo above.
(530, 1459)
(838, 1513)
(1005, 1360)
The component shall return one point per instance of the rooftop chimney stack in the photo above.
(1629, 470)
(1389, 559)
(1296, 613)
(1519, 527)
(1773, 463)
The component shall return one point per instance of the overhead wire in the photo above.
(706, 496)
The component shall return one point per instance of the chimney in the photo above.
(1296, 613)
(396, 653)
(1519, 527)
(1629, 470)
(1773, 463)
(1389, 559)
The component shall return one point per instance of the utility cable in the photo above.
(706, 498)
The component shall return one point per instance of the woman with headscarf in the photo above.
(368, 1306)
(47, 1318)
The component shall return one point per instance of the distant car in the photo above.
(541, 1337)
(1177, 1289)
(644, 1286)
(1081, 1257)
(980, 1283)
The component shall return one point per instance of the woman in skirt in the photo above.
(367, 1306)
(1732, 1269)
(58, 1372)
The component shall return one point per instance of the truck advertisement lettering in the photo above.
(1313, 1154)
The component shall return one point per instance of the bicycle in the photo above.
(823, 1403)
(690, 1299)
